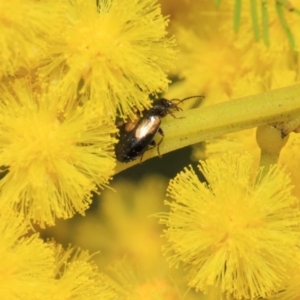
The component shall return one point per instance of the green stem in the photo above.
(200, 124)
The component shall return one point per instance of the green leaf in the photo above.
(217, 2)
(254, 19)
(265, 23)
(296, 10)
(237, 14)
(284, 25)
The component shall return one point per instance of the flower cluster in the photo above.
(236, 231)
(33, 269)
(73, 69)
(119, 56)
(54, 158)
(82, 64)
(68, 69)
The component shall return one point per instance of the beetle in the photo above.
(137, 136)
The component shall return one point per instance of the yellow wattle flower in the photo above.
(117, 51)
(237, 232)
(290, 288)
(55, 157)
(133, 283)
(221, 63)
(25, 26)
(34, 269)
(77, 277)
(27, 263)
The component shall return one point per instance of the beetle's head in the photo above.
(164, 106)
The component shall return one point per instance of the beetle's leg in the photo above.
(175, 116)
(141, 159)
(153, 144)
(162, 137)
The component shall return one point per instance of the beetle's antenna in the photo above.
(198, 96)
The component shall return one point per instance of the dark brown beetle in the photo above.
(137, 136)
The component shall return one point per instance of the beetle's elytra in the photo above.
(138, 136)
